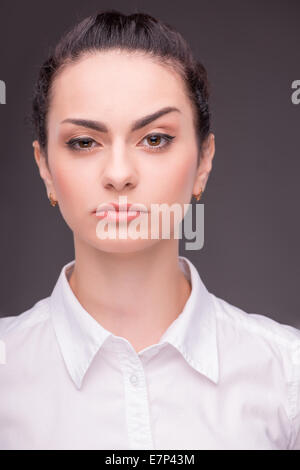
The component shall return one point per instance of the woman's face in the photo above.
(117, 89)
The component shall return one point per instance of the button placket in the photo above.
(137, 406)
(134, 379)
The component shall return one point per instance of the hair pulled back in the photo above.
(137, 32)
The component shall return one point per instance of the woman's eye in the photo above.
(72, 143)
(154, 143)
(155, 140)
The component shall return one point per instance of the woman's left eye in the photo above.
(153, 139)
(82, 143)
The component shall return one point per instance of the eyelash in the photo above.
(72, 142)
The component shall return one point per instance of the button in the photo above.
(133, 379)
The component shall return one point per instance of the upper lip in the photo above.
(122, 207)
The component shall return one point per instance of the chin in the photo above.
(124, 246)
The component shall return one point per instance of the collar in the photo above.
(80, 336)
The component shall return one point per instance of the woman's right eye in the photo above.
(85, 141)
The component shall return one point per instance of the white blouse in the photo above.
(219, 378)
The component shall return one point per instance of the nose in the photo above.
(119, 172)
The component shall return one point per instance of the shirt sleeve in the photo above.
(295, 400)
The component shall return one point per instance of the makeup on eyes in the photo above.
(96, 128)
(74, 143)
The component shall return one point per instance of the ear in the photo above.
(205, 165)
(44, 171)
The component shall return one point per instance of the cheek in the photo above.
(179, 179)
(71, 186)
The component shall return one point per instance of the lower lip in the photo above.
(118, 216)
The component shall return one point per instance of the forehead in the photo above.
(116, 83)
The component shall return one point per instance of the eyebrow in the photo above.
(138, 124)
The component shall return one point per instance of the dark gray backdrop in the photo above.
(251, 51)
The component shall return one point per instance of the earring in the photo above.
(198, 196)
(53, 202)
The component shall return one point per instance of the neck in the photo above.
(134, 295)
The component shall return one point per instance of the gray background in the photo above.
(251, 51)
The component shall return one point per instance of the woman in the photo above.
(130, 350)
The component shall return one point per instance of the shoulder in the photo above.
(256, 342)
(25, 321)
(255, 326)
(259, 347)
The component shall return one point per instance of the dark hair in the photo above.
(112, 29)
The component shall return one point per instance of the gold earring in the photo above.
(198, 196)
(53, 202)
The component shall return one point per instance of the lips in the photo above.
(113, 206)
(118, 216)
